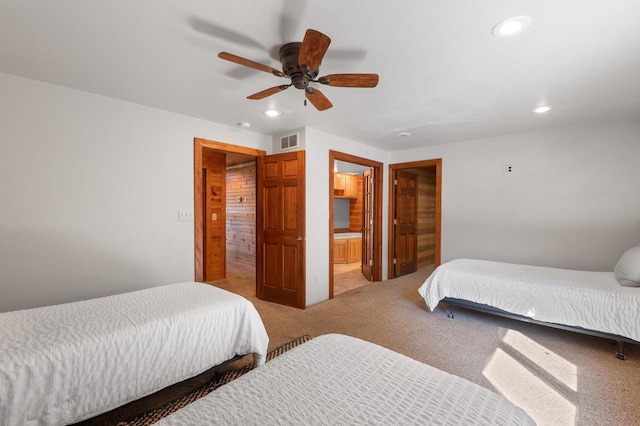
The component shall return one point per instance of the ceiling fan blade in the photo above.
(313, 48)
(318, 99)
(249, 63)
(268, 92)
(350, 80)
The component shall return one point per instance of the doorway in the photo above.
(355, 221)
(415, 216)
(275, 213)
(224, 214)
(241, 207)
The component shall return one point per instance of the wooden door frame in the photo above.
(437, 163)
(377, 211)
(198, 203)
(367, 194)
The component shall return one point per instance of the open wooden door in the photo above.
(367, 224)
(406, 223)
(280, 245)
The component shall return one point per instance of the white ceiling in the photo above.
(443, 76)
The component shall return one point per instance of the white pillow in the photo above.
(627, 269)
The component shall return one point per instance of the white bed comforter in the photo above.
(65, 363)
(591, 300)
(340, 380)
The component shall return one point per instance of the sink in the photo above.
(347, 235)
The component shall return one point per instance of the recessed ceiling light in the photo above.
(542, 109)
(511, 26)
(272, 113)
(404, 134)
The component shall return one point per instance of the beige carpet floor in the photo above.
(347, 277)
(558, 377)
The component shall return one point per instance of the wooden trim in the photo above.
(198, 216)
(438, 259)
(228, 148)
(198, 203)
(332, 209)
(377, 211)
(302, 219)
(437, 163)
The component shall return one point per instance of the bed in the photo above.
(340, 380)
(582, 301)
(65, 363)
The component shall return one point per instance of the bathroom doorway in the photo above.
(355, 208)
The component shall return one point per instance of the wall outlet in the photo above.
(505, 258)
(185, 215)
(507, 169)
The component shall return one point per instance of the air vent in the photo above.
(288, 142)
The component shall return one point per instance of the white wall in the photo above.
(318, 145)
(573, 200)
(90, 189)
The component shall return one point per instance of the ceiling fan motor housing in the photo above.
(300, 75)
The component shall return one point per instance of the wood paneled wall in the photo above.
(213, 163)
(355, 210)
(241, 216)
(426, 215)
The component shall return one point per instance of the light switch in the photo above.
(185, 215)
(214, 216)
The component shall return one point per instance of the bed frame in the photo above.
(620, 340)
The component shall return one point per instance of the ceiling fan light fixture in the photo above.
(273, 113)
(511, 26)
(542, 109)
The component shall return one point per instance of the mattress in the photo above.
(340, 380)
(590, 300)
(65, 363)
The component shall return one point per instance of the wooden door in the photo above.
(280, 248)
(213, 195)
(367, 224)
(406, 223)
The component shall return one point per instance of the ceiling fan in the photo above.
(301, 64)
